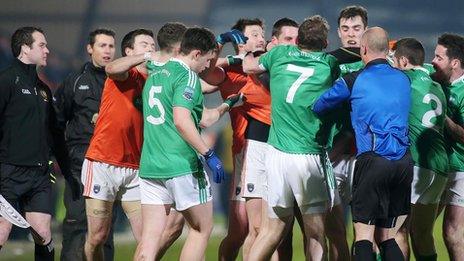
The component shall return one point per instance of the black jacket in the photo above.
(28, 125)
(77, 102)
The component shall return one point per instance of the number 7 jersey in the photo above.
(298, 78)
(165, 154)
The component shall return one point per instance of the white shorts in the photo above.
(427, 186)
(454, 191)
(108, 182)
(236, 179)
(181, 192)
(254, 177)
(343, 172)
(298, 177)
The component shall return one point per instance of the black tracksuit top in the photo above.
(28, 126)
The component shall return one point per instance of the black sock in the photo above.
(1, 247)
(389, 250)
(427, 258)
(45, 252)
(362, 250)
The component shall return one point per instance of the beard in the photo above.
(441, 75)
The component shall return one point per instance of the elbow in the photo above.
(109, 69)
(178, 124)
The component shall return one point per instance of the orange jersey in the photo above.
(118, 135)
(234, 81)
(258, 100)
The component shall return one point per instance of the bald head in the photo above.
(376, 40)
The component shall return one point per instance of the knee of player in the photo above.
(174, 232)
(45, 234)
(451, 235)
(98, 238)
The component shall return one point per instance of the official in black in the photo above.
(77, 103)
(28, 133)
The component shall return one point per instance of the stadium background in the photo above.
(67, 23)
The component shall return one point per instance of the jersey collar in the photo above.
(181, 62)
(377, 61)
(458, 80)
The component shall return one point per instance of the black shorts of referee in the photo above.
(28, 188)
(381, 189)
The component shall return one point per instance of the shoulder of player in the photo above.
(184, 74)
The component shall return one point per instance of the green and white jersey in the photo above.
(429, 68)
(455, 95)
(151, 65)
(298, 78)
(427, 122)
(351, 67)
(165, 154)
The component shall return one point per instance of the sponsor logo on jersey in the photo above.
(250, 187)
(96, 188)
(25, 91)
(188, 93)
(83, 87)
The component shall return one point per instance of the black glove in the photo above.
(235, 100)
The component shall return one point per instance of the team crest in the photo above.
(237, 191)
(250, 187)
(44, 95)
(188, 93)
(94, 118)
(96, 188)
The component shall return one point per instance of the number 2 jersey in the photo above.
(298, 78)
(165, 154)
(426, 122)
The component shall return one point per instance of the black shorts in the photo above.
(26, 188)
(381, 189)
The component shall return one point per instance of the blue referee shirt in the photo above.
(380, 98)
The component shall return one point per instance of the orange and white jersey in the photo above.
(258, 100)
(118, 135)
(233, 83)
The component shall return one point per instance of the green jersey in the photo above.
(429, 68)
(427, 122)
(351, 67)
(298, 78)
(455, 95)
(165, 154)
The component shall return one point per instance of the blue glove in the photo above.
(233, 36)
(215, 165)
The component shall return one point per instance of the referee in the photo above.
(28, 128)
(379, 96)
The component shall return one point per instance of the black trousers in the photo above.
(75, 221)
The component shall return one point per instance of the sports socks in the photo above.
(362, 251)
(45, 252)
(390, 250)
